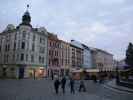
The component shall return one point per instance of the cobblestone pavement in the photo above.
(28, 89)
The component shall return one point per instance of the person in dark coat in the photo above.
(56, 85)
(72, 85)
(63, 83)
(82, 86)
(52, 75)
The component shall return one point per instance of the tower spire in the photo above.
(28, 7)
(26, 18)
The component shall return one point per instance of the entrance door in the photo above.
(4, 72)
(21, 72)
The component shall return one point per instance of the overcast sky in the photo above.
(104, 24)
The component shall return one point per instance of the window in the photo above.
(42, 59)
(57, 53)
(27, 57)
(39, 59)
(42, 50)
(34, 37)
(22, 57)
(17, 57)
(43, 41)
(49, 62)
(32, 58)
(8, 47)
(53, 44)
(23, 45)
(7, 38)
(50, 44)
(13, 57)
(40, 40)
(14, 46)
(58, 45)
(0, 48)
(15, 36)
(24, 34)
(52, 53)
(49, 52)
(4, 58)
(7, 57)
(66, 62)
(5, 47)
(62, 61)
(18, 46)
(33, 47)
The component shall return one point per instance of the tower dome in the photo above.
(26, 18)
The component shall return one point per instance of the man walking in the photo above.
(63, 83)
(52, 75)
(72, 85)
(82, 86)
(56, 85)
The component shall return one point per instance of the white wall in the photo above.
(87, 56)
(87, 62)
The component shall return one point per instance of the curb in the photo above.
(119, 89)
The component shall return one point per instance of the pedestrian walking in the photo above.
(63, 83)
(72, 86)
(34, 72)
(52, 75)
(56, 85)
(82, 86)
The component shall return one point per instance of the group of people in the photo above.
(62, 83)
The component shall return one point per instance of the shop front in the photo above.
(8, 71)
(36, 72)
(55, 71)
(76, 74)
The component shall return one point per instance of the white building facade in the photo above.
(76, 55)
(23, 50)
(102, 60)
(87, 56)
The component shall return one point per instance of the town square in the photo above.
(66, 50)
